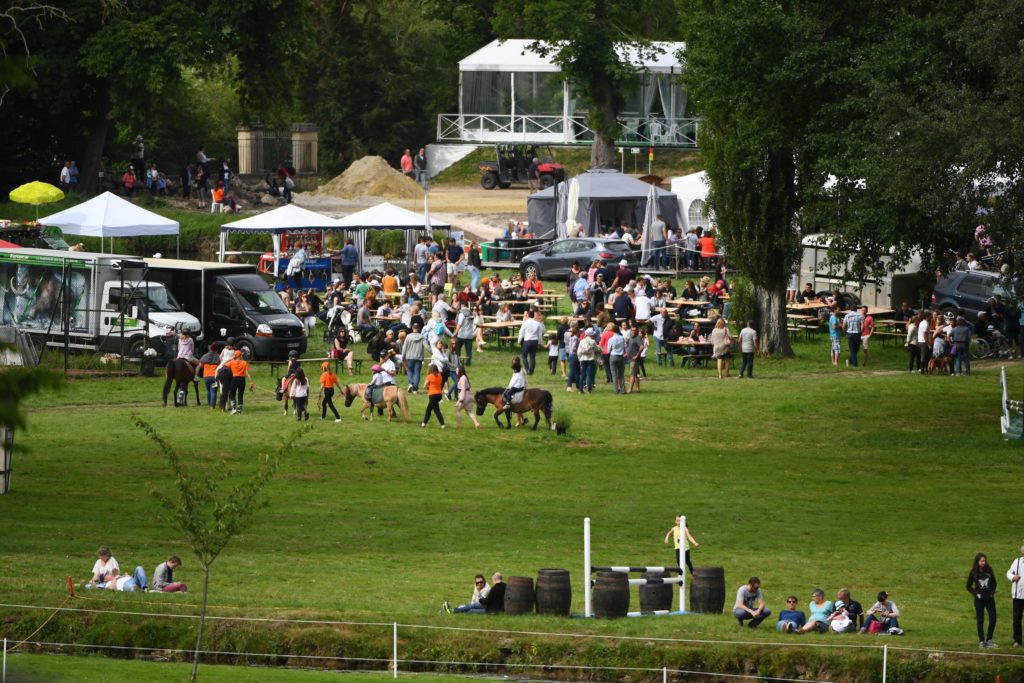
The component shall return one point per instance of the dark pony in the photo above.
(180, 373)
(534, 400)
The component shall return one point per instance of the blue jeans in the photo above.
(471, 608)
(748, 364)
(413, 367)
(137, 582)
(853, 340)
(574, 371)
(780, 625)
(742, 615)
(211, 391)
(529, 355)
(661, 347)
(453, 385)
(421, 271)
(467, 346)
(588, 370)
(962, 360)
(660, 255)
(474, 277)
(607, 366)
(887, 624)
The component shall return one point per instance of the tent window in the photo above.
(486, 92)
(697, 215)
(538, 94)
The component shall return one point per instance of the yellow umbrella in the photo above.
(36, 193)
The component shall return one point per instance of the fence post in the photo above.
(664, 674)
(885, 663)
(394, 650)
(586, 568)
(5, 661)
(683, 546)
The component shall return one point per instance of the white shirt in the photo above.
(922, 332)
(102, 568)
(1016, 569)
(518, 380)
(388, 371)
(531, 330)
(441, 306)
(659, 326)
(642, 304)
(65, 175)
(973, 265)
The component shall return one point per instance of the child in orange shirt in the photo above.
(328, 380)
(434, 392)
(239, 371)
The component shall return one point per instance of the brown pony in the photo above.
(535, 400)
(392, 395)
(179, 373)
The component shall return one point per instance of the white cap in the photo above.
(623, 262)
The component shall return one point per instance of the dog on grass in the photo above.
(942, 362)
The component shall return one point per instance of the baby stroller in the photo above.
(337, 318)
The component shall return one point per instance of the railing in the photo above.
(502, 128)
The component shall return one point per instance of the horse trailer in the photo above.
(83, 300)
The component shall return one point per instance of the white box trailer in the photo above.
(888, 291)
(86, 300)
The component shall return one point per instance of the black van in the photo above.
(966, 293)
(233, 300)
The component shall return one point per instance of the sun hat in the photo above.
(505, 284)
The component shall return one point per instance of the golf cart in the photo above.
(512, 164)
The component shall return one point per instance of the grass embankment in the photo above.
(667, 163)
(807, 476)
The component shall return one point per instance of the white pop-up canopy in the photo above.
(692, 191)
(288, 218)
(108, 215)
(386, 216)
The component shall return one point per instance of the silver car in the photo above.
(554, 261)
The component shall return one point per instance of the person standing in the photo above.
(675, 534)
(73, 175)
(406, 163)
(128, 182)
(420, 253)
(1014, 574)
(834, 327)
(910, 342)
(419, 164)
(435, 384)
(533, 175)
(139, 157)
(209, 363)
(531, 334)
(960, 336)
(721, 347)
(981, 584)
(239, 372)
(412, 356)
(464, 399)
(65, 176)
(853, 323)
(473, 265)
(571, 343)
(924, 340)
(349, 259)
(657, 228)
(617, 359)
(748, 347)
(634, 352)
(867, 329)
(328, 381)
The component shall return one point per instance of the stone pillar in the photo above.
(250, 149)
(305, 140)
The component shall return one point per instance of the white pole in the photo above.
(683, 547)
(664, 674)
(394, 650)
(587, 612)
(885, 662)
(5, 661)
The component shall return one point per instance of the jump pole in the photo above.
(588, 566)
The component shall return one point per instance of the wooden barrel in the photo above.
(707, 591)
(610, 597)
(554, 592)
(654, 597)
(519, 595)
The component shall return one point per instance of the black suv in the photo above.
(966, 293)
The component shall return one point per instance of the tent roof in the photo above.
(691, 187)
(606, 184)
(388, 216)
(515, 55)
(110, 216)
(283, 219)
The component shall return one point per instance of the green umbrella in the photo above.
(36, 193)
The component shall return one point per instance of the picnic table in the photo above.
(811, 305)
(687, 302)
(699, 351)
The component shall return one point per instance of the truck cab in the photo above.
(142, 303)
(244, 307)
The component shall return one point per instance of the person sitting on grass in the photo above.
(750, 604)
(105, 569)
(163, 577)
(791, 620)
(886, 614)
(847, 613)
(493, 601)
(480, 590)
(820, 609)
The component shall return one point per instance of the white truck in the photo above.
(85, 300)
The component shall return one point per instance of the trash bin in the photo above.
(146, 366)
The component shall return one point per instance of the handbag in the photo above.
(875, 627)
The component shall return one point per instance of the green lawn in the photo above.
(807, 476)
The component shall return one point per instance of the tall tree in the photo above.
(768, 80)
(583, 37)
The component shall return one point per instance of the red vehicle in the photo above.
(512, 164)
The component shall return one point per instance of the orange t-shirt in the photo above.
(707, 246)
(218, 195)
(434, 383)
(389, 284)
(239, 367)
(210, 369)
(328, 380)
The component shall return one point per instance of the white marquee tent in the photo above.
(386, 216)
(288, 218)
(110, 216)
(692, 191)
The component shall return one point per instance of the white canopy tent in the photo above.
(692, 191)
(288, 218)
(386, 216)
(108, 215)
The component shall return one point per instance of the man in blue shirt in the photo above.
(833, 333)
(617, 359)
(349, 259)
(791, 620)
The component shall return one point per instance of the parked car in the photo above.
(966, 293)
(554, 261)
(511, 164)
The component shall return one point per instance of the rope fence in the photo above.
(395, 662)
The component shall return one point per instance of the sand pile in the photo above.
(371, 176)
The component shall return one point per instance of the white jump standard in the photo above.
(589, 569)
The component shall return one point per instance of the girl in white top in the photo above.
(299, 391)
(516, 383)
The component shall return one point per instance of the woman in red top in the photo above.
(707, 248)
(434, 390)
(328, 380)
(128, 182)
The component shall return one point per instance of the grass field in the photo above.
(807, 476)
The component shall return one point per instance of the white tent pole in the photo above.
(276, 237)
(177, 245)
